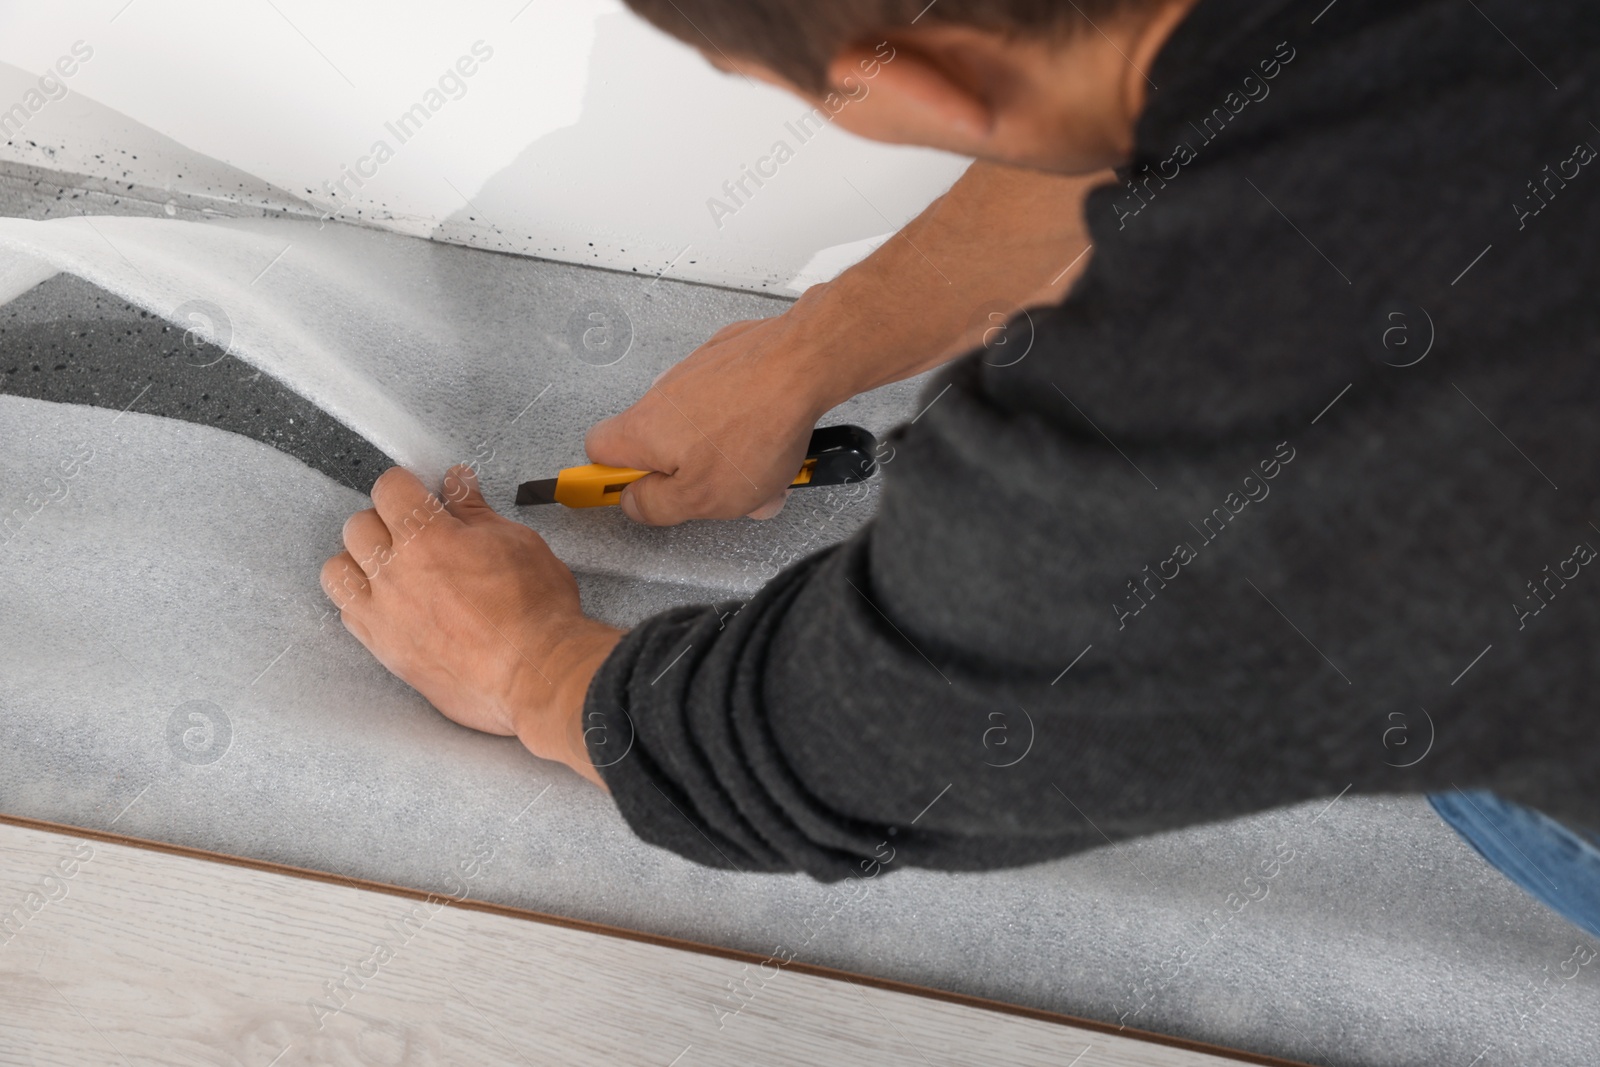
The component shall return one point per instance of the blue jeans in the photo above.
(1555, 865)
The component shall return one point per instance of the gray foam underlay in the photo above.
(68, 341)
(177, 575)
(492, 370)
(180, 567)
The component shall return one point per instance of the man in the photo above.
(1294, 494)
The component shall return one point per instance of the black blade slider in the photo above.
(843, 454)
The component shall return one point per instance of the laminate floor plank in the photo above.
(116, 954)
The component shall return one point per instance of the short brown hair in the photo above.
(799, 38)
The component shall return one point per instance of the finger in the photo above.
(367, 541)
(405, 505)
(655, 500)
(463, 496)
(615, 443)
(343, 581)
(602, 440)
(771, 507)
(357, 630)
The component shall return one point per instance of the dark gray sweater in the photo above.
(1300, 483)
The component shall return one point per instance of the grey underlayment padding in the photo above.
(66, 340)
(438, 354)
(168, 670)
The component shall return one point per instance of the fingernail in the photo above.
(629, 508)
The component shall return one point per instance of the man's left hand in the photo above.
(473, 610)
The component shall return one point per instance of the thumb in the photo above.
(771, 508)
(654, 501)
(463, 496)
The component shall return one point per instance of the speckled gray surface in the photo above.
(438, 354)
(167, 670)
(67, 341)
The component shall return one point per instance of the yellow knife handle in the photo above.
(596, 485)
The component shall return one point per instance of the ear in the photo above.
(905, 95)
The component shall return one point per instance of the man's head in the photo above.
(1054, 84)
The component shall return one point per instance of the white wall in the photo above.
(582, 135)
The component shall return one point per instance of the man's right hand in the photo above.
(727, 428)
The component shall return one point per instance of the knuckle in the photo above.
(600, 432)
(353, 523)
(606, 442)
(387, 482)
(457, 489)
(698, 499)
(647, 505)
(529, 541)
(341, 581)
(412, 525)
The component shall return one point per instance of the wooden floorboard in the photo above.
(122, 952)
